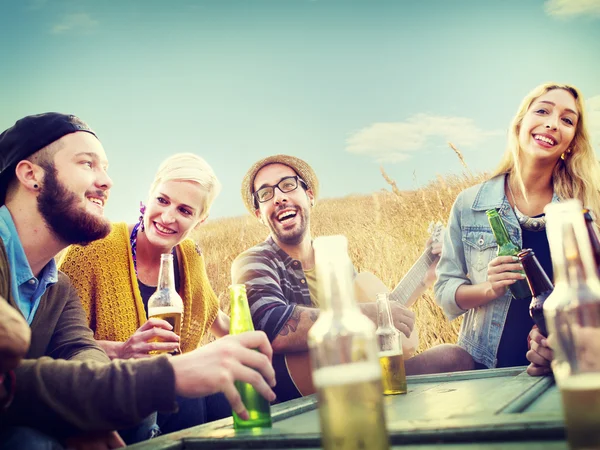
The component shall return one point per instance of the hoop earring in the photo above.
(142, 211)
(565, 154)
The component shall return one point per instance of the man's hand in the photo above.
(436, 250)
(15, 336)
(403, 318)
(99, 440)
(540, 354)
(137, 346)
(216, 366)
(220, 326)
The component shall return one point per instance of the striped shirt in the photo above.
(275, 283)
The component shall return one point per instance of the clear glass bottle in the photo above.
(594, 238)
(391, 357)
(259, 409)
(343, 349)
(578, 336)
(165, 303)
(559, 231)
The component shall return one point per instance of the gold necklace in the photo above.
(526, 222)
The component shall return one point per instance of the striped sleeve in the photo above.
(258, 268)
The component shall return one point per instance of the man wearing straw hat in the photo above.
(279, 273)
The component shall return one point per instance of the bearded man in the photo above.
(53, 187)
(281, 278)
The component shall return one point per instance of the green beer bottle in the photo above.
(520, 288)
(258, 407)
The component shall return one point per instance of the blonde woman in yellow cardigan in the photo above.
(115, 277)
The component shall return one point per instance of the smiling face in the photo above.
(287, 214)
(549, 125)
(74, 190)
(172, 212)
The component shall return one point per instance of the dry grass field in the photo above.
(386, 233)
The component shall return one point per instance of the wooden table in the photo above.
(491, 409)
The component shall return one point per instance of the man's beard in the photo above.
(66, 218)
(292, 237)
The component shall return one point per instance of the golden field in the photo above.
(386, 233)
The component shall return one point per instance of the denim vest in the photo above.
(469, 246)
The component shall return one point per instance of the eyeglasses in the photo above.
(287, 184)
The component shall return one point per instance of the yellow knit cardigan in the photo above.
(105, 279)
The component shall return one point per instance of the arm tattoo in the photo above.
(292, 324)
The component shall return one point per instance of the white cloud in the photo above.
(81, 22)
(571, 8)
(394, 141)
(593, 110)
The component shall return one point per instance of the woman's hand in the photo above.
(220, 327)
(139, 345)
(501, 274)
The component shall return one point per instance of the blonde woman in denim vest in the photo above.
(548, 158)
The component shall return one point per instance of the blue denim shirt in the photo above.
(26, 289)
(469, 246)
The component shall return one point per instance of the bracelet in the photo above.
(10, 384)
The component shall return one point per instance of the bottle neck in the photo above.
(594, 241)
(580, 262)
(166, 276)
(536, 276)
(499, 230)
(240, 317)
(336, 286)
(384, 313)
(334, 274)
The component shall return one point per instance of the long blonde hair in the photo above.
(575, 176)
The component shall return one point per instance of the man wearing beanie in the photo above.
(53, 187)
(280, 276)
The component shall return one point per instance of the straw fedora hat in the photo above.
(303, 170)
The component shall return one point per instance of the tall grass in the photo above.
(386, 233)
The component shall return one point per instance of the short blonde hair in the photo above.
(189, 167)
(575, 176)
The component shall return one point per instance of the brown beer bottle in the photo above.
(540, 285)
(594, 240)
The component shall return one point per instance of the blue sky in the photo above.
(346, 85)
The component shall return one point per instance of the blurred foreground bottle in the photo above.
(520, 288)
(540, 285)
(559, 230)
(593, 234)
(391, 358)
(343, 350)
(165, 303)
(578, 335)
(258, 407)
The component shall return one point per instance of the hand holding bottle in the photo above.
(540, 354)
(218, 365)
(139, 345)
(503, 271)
